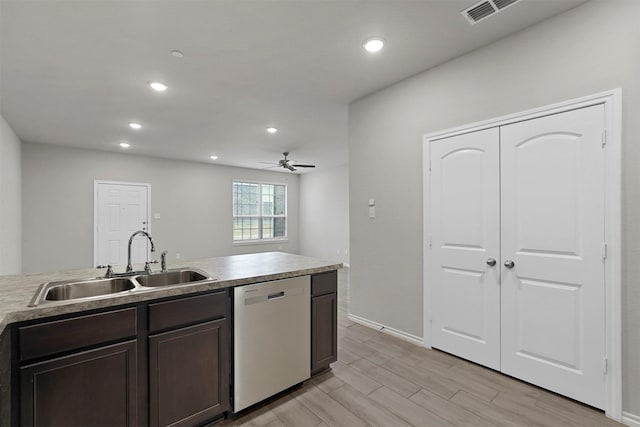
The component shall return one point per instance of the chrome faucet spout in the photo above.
(144, 233)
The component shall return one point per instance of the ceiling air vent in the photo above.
(484, 9)
(501, 4)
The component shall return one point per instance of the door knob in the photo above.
(491, 262)
(509, 264)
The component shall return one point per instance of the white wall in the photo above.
(589, 49)
(324, 214)
(10, 201)
(194, 200)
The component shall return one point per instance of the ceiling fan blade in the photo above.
(270, 163)
(271, 167)
(304, 166)
(291, 168)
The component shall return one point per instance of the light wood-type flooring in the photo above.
(380, 380)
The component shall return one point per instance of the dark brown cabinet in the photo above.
(164, 363)
(324, 320)
(189, 374)
(89, 388)
(80, 371)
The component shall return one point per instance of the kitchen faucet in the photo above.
(144, 233)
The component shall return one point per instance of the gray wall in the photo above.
(10, 201)
(324, 214)
(194, 200)
(592, 48)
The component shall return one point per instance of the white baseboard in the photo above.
(413, 339)
(630, 419)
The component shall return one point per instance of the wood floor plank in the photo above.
(424, 378)
(356, 347)
(495, 379)
(534, 417)
(368, 410)
(576, 412)
(260, 416)
(410, 411)
(355, 378)
(488, 411)
(448, 410)
(346, 356)
(292, 413)
(328, 409)
(385, 377)
(469, 382)
(327, 381)
(364, 331)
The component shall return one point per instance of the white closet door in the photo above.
(553, 230)
(465, 224)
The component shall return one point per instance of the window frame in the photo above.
(269, 240)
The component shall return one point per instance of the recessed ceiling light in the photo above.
(272, 130)
(213, 157)
(125, 145)
(160, 87)
(134, 125)
(177, 53)
(373, 44)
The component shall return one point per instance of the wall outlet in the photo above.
(177, 255)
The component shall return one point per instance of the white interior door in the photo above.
(553, 231)
(121, 210)
(465, 227)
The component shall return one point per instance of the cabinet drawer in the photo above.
(184, 311)
(324, 283)
(70, 334)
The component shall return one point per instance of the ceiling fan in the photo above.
(287, 163)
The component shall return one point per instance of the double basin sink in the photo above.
(87, 289)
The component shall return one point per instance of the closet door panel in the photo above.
(464, 222)
(552, 209)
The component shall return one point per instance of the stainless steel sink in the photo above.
(171, 277)
(87, 289)
(81, 289)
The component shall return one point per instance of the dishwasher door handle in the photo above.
(276, 295)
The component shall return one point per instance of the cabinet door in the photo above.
(91, 388)
(189, 374)
(324, 321)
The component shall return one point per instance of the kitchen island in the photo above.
(135, 330)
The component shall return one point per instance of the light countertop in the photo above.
(17, 291)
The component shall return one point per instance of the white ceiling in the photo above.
(75, 73)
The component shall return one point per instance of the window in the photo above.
(259, 211)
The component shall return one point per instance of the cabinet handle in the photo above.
(509, 264)
(491, 262)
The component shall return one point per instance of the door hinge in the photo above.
(604, 138)
(605, 365)
(604, 250)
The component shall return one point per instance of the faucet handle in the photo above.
(147, 266)
(109, 273)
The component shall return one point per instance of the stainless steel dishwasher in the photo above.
(271, 338)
